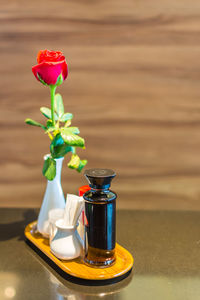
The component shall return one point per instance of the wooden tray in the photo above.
(76, 267)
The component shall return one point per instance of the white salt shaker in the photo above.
(66, 242)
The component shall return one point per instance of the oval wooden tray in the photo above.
(76, 267)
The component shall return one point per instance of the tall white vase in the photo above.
(53, 198)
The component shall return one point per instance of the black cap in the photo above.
(99, 178)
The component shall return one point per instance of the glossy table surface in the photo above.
(165, 245)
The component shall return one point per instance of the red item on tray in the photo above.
(84, 189)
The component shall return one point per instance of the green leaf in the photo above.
(66, 117)
(73, 150)
(73, 130)
(34, 123)
(74, 162)
(49, 126)
(72, 139)
(81, 165)
(59, 80)
(47, 113)
(59, 107)
(49, 168)
(49, 123)
(58, 148)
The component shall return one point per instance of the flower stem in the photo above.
(53, 90)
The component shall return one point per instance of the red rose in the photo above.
(52, 67)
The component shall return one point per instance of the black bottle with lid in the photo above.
(100, 218)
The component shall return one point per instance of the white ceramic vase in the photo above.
(66, 243)
(53, 198)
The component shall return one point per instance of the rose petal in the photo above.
(49, 56)
(65, 70)
(50, 71)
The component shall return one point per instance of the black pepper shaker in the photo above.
(100, 218)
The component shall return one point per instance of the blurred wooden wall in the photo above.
(133, 87)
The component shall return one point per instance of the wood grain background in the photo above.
(133, 86)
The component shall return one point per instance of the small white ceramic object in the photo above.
(53, 198)
(66, 243)
(54, 215)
